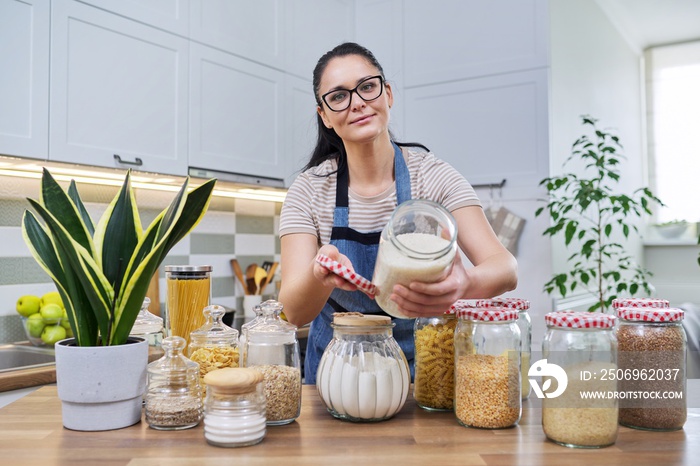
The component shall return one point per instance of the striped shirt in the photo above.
(310, 201)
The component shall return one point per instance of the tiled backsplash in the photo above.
(242, 229)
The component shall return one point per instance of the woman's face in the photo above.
(362, 121)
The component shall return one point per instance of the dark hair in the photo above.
(328, 143)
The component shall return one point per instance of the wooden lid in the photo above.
(233, 379)
(357, 319)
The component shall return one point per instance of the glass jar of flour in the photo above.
(418, 243)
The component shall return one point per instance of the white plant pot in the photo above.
(101, 387)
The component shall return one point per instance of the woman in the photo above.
(345, 196)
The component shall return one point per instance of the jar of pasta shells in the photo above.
(271, 347)
(525, 326)
(214, 345)
(579, 356)
(487, 368)
(433, 387)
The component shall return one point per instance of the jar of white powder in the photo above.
(363, 374)
(418, 244)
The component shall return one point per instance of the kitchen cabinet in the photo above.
(24, 79)
(300, 125)
(118, 92)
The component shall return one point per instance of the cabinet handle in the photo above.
(137, 162)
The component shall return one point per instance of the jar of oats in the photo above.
(271, 347)
(214, 345)
(652, 349)
(418, 243)
(433, 387)
(579, 352)
(525, 326)
(487, 368)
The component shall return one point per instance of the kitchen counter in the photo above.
(31, 434)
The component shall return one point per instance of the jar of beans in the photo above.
(433, 387)
(579, 351)
(651, 359)
(487, 368)
(525, 326)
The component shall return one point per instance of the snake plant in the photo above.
(103, 271)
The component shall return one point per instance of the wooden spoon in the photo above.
(250, 278)
(239, 274)
(260, 275)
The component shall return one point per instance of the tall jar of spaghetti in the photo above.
(188, 292)
(525, 325)
(433, 387)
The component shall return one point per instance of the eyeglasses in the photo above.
(368, 89)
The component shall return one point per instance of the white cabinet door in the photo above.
(253, 30)
(24, 78)
(169, 15)
(300, 125)
(118, 92)
(236, 116)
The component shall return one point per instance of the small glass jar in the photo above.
(579, 351)
(188, 292)
(271, 347)
(487, 368)
(148, 326)
(363, 375)
(525, 326)
(433, 387)
(418, 243)
(214, 345)
(652, 347)
(174, 394)
(651, 303)
(234, 409)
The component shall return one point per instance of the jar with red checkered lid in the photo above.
(525, 326)
(652, 347)
(578, 383)
(487, 367)
(642, 303)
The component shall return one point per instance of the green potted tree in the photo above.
(592, 217)
(102, 273)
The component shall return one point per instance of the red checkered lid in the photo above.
(356, 279)
(572, 319)
(509, 303)
(636, 314)
(640, 303)
(461, 305)
(494, 314)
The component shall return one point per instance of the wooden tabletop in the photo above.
(31, 434)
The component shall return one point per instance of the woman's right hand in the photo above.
(328, 278)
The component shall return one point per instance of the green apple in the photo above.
(64, 320)
(51, 297)
(52, 334)
(69, 332)
(51, 312)
(28, 305)
(35, 325)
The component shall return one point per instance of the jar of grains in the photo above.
(525, 326)
(271, 347)
(174, 394)
(433, 387)
(363, 374)
(645, 303)
(234, 409)
(214, 345)
(418, 243)
(487, 368)
(651, 360)
(579, 351)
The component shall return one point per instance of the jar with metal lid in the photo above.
(148, 326)
(214, 345)
(433, 387)
(363, 375)
(271, 347)
(234, 409)
(487, 368)
(174, 394)
(525, 326)
(652, 348)
(644, 303)
(418, 243)
(579, 356)
(188, 292)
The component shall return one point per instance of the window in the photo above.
(673, 103)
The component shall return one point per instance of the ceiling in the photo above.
(645, 23)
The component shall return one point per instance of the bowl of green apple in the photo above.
(44, 318)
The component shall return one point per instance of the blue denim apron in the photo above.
(361, 249)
